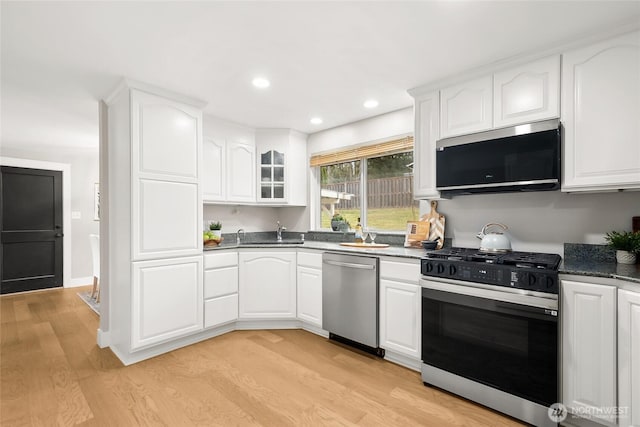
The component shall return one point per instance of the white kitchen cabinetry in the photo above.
(309, 285)
(528, 93)
(220, 288)
(214, 170)
(466, 107)
(267, 285)
(588, 347)
(629, 357)
(241, 160)
(154, 219)
(400, 314)
(427, 123)
(282, 167)
(600, 114)
(166, 300)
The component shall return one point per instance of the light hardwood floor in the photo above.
(53, 373)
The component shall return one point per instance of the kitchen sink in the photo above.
(273, 242)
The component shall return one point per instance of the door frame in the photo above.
(65, 168)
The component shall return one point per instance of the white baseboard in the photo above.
(103, 338)
(80, 281)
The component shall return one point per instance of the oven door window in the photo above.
(507, 346)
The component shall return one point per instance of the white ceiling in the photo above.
(323, 58)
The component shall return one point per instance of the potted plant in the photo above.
(216, 228)
(626, 244)
(339, 223)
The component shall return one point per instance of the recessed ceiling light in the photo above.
(371, 103)
(316, 120)
(261, 83)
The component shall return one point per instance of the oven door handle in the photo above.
(525, 310)
(488, 304)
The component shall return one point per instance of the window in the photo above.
(374, 183)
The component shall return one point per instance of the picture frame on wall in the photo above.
(96, 201)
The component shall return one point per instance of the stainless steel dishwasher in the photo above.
(350, 300)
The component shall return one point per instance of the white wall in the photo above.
(540, 221)
(381, 127)
(84, 173)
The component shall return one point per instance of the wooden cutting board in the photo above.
(436, 229)
(365, 245)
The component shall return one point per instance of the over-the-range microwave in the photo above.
(519, 158)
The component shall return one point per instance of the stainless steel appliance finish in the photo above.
(350, 297)
(490, 329)
(519, 158)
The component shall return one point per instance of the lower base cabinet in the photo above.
(309, 284)
(267, 285)
(166, 300)
(400, 304)
(220, 288)
(629, 357)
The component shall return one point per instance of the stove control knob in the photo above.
(550, 283)
(428, 267)
(440, 268)
(532, 280)
(452, 270)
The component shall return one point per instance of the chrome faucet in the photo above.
(240, 230)
(279, 231)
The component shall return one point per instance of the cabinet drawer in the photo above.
(310, 259)
(225, 259)
(220, 310)
(221, 281)
(404, 271)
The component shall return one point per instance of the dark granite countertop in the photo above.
(601, 269)
(393, 251)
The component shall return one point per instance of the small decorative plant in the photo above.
(339, 223)
(624, 241)
(215, 225)
(626, 244)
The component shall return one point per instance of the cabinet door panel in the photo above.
(400, 317)
(241, 170)
(220, 310)
(166, 300)
(427, 122)
(629, 357)
(527, 93)
(165, 136)
(267, 285)
(466, 108)
(310, 295)
(600, 110)
(167, 218)
(588, 347)
(220, 281)
(213, 170)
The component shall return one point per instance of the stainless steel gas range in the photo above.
(490, 329)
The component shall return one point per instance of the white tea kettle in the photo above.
(495, 241)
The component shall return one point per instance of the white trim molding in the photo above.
(65, 168)
(80, 281)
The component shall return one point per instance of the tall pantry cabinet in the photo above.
(154, 218)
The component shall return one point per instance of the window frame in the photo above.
(315, 205)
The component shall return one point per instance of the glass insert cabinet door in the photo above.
(272, 175)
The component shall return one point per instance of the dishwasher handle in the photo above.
(350, 265)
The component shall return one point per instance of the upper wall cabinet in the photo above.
(427, 123)
(466, 108)
(214, 170)
(281, 167)
(165, 155)
(601, 115)
(228, 171)
(241, 158)
(527, 93)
